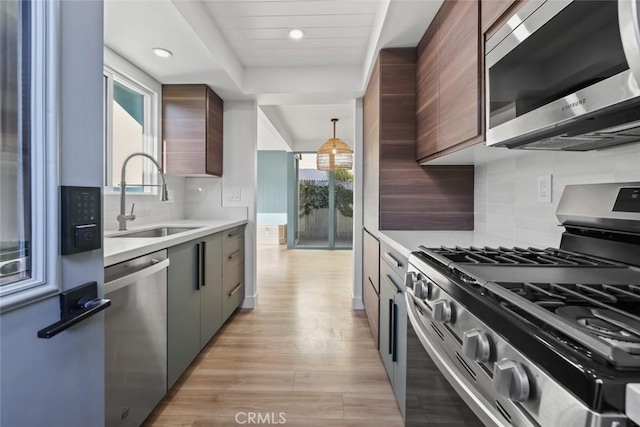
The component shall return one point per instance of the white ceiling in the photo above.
(337, 32)
(241, 49)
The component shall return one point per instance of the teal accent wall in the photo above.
(272, 182)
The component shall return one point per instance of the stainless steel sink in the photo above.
(156, 232)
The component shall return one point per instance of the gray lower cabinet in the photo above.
(232, 270)
(194, 298)
(210, 291)
(393, 332)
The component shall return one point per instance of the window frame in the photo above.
(151, 142)
(45, 123)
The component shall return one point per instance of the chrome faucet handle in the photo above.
(133, 206)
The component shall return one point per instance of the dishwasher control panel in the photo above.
(80, 219)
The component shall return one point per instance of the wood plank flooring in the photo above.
(302, 352)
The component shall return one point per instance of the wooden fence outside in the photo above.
(316, 224)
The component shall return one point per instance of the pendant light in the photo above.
(334, 155)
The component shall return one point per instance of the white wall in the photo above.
(61, 381)
(214, 197)
(506, 190)
(356, 296)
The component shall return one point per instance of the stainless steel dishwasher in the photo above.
(136, 338)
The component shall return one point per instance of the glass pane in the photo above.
(344, 209)
(15, 143)
(127, 135)
(313, 203)
(579, 47)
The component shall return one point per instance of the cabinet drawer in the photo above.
(232, 234)
(232, 291)
(394, 259)
(232, 255)
(389, 276)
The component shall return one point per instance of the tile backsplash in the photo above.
(149, 209)
(203, 200)
(506, 203)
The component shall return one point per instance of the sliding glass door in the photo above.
(323, 206)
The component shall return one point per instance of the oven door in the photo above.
(556, 63)
(437, 392)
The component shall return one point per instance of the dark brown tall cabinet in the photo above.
(399, 194)
(192, 125)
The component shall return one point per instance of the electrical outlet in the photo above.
(544, 188)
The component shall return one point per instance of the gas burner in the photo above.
(520, 256)
(606, 325)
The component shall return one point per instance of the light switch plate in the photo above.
(544, 188)
(236, 195)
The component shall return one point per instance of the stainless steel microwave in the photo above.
(563, 75)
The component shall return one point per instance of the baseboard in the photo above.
(250, 301)
(356, 303)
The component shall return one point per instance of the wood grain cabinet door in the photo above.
(192, 130)
(427, 93)
(458, 63)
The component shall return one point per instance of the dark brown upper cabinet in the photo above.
(192, 125)
(399, 194)
(448, 104)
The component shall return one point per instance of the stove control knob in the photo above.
(442, 311)
(409, 279)
(421, 289)
(476, 346)
(511, 380)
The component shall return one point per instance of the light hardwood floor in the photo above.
(302, 352)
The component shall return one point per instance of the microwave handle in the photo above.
(629, 20)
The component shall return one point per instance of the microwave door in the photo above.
(561, 63)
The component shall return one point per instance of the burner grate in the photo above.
(520, 256)
(607, 312)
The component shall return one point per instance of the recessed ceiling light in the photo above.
(296, 34)
(162, 53)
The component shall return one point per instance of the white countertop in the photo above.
(122, 249)
(406, 242)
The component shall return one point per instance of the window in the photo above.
(130, 122)
(28, 149)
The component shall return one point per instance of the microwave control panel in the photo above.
(81, 219)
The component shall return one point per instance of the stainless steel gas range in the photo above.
(532, 337)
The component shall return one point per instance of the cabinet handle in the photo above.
(393, 282)
(236, 289)
(234, 233)
(394, 352)
(203, 280)
(235, 254)
(197, 266)
(390, 327)
(390, 257)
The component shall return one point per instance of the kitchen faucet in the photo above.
(123, 218)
